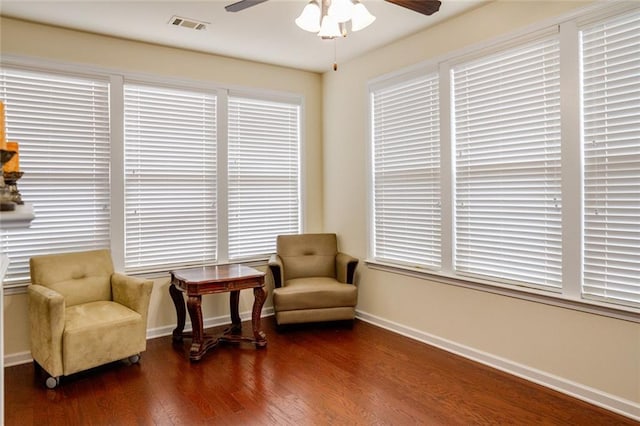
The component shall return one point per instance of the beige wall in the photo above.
(591, 350)
(55, 44)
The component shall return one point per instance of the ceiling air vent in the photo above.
(187, 23)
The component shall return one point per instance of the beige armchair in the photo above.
(83, 315)
(313, 281)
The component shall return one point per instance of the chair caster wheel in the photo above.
(52, 382)
(134, 359)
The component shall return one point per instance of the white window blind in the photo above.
(406, 173)
(611, 96)
(61, 123)
(507, 139)
(170, 177)
(263, 175)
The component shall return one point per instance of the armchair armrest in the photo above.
(132, 292)
(345, 268)
(46, 316)
(277, 270)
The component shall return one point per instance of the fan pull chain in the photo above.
(335, 61)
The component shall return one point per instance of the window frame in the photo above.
(392, 83)
(619, 254)
(101, 151)
(208, 185)
(291, 101)
(540, 43)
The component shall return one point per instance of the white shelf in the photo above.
(21, 217)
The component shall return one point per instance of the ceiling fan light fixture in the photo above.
(361, 17)
(341, 10)
(329, 28)
(309, 19)
(328, 18)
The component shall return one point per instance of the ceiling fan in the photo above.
(328, 18)
(425, 7)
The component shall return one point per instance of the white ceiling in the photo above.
(264, 33)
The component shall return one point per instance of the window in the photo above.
(62, 125)
(179, 151)
(264, 188)
(406, 172)
(611, 121)
(538, 175)
(507, 165)
(170, 177)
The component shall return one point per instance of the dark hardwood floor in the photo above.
(309, 375)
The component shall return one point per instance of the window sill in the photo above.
(620, 312)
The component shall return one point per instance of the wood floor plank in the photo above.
(308, 375)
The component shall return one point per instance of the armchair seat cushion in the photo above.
(94, 315)
(98, 332)
(314, 293)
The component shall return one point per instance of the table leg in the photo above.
(259, 296)
(236, 324)
(194, 305)
(178, 301)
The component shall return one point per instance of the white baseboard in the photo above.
(593, 396)
(152, 333)
(17, 358)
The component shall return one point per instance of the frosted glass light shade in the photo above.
(361, 17)
(309, 19)
(341, 10)
(329, 28)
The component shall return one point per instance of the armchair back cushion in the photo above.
(81, 277)
(308, 255)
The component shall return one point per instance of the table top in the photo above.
(218, 273)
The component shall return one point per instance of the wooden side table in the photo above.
(210, 280)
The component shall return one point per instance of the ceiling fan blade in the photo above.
(242, 5)
(426, 7)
